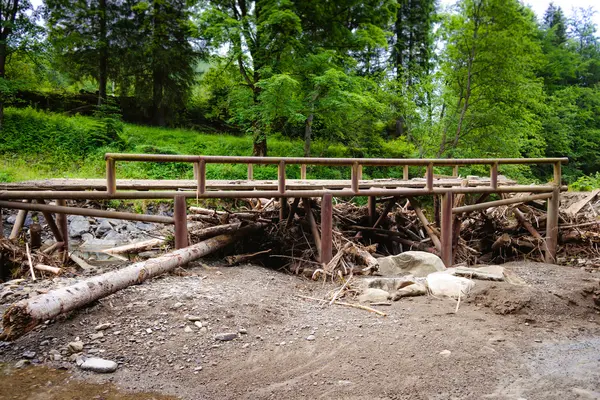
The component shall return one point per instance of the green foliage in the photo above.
(586, 183)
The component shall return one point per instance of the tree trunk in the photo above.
(24, 315)
(103, 66)
(308, 134)
(259, 143)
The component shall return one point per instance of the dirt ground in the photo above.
(538, 341)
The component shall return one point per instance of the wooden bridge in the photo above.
(32, 195)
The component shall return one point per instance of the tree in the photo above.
(491, 97)
(13, 23)
(556, 23)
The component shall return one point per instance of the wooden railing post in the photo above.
(354, 177)
(201, 175)
(281, 177)
(250, 172)
(111, 179)
(326, 228)
(372, 210)
(405, 172)
(446, 239)
(63, 225)
(429, 176)
(180, 220)
(455, 171)
(303, 172)
(552, 226)
(494, 176)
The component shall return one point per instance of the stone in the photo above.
(445, 353)
(143, 226)
(187, 329)
(193, 318)
(204, 330)
(103, 227)
(22, 363)
(225, 337)
(78, 225)
(416, 289)
(93, 245)
(489, 273)
(372, 295)
(198, 369)
(311, 338)
(243, 331)
(176, 306)
(99, 365)
(75, 347)
(29, 355)
(496, 339)
(441, 284)
(96, 336)
(102, 327)
(416, 263)
(198, 324)
(388, 284)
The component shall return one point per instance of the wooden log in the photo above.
(50, 221)
(63, 225)
(372, 206)
(364, 256)
(81, 262)
(552, 227)
(293, 211)
(135, 247)
(35, 236)
(21, 216)
(526, 224)
(434, 238)
(313, 225)
(53, 247)
(24, 315)
(1, 224)
(502, 241)
(447, 227)
(326, 228)
(388, 208)
(48, 268)
(213, 231)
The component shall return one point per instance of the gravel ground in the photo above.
(538, 341)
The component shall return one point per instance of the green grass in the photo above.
(37, 145)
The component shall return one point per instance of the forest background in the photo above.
(368, 78)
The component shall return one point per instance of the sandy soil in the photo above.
(539, 341)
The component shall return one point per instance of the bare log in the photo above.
(24, 315)
(135, 247)
(502, 241)
(434, 237)
(53, 247)
(364, 256)
(313, 225)
(526, 224)
(212, 231)
(48, 268)
(16, 230)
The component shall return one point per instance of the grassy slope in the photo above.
(38, 145)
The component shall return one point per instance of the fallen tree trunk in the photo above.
(212, 231)
(136, 247)
(24, 315)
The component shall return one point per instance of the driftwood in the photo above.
(135, 247)
(212, 231)
(432, 234)
(81, 262)
(48, 268)
(242, 258)
(24, 315)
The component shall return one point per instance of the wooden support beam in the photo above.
(429, 176)
(494, 176)
(526, 224)
(35, 236)
(504, 202)
(111, 178)
(455, 170)
(1, 224)
(180, 219)
(313, 225)
(405, 172)
(250, 172)
(292, 212)
(447, 222)
(63, 225)
(283, 208)
(372, 210)
(201, 176)
(281, 177)
(354, 178)
(326, 228)
(19, 222)
(557, 174)
(552, 226)
(303, 172)
(50, 221)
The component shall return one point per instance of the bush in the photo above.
(586, 183)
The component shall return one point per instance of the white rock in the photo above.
(103, 326)
(311, 338)
(75, 347)
(372, 295)
(441, 284)
(187, 329)
(99, 365)
(445, 353)
(416, 263)
(198, 324)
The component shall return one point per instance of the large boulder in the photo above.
(443, 284)
(416, 263)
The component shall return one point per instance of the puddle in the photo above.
(43, 383)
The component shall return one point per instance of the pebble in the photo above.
(29, 355)
(445, 353)
(243, 331)
(246, 345)
(193, 318)
(99, 365)
(225, 337)
(198, 324)
(496, 339)
(96, 336)
(187, 329)
(103, 326)
(310, 338)
(148, 331)
(22, 363)
(177, 305)
(75, 347)
(204, 330)
(198, 369)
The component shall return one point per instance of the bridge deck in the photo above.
(228, 185)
